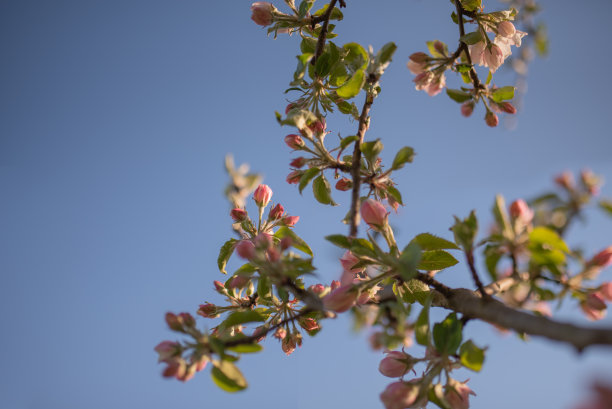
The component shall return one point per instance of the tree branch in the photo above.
(321, 40)
(464, 47)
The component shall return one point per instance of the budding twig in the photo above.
(463, 46)
(321, 40)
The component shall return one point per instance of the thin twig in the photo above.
(464, 47)
(321, 40)
(470, 260)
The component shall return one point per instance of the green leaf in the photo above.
(458, 95)
(296, 241)
(428, 241)
(435, 53)
(471, 38)
(308, 45)
(465, 231)
(307, 177)
(362, 247)
(264, 288)
(471, 356)
(322, 190)
(303, 62)
(357, 58)
(492, 257)
(436, 260)
(463, 68)
(338, 75)
(606, 205)
(323, 65)
(408, 260)
(245, 348)
(421, 327)
(447, 334)
(347, 141)
(502, 94)
(336, 14)
(241, 317)
(352, 87)
(501, 216)
(393, 192)
(225, 253)
(403, 156)
(245, 270)
(371, 150)
(339, 240)
(471, 5)
(547, 247)
(305, 7)
(228, 377)
(416, 290)
(385, 53)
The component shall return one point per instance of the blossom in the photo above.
(238, 215)
(262, 13)
(493, 57)
(290, 221)
(467, 108)
(458, 394)
(374, 214)
(276, 212)
(491, 119)
(348, 260)
(344, 184)
(594, 306)
(262, 195)
(520, 211)
(294, 177)
(395, 364)
(399, 395)
(294, 141)
(506, 29)
(603, 258)
(245, 249)
(208, 310)
(340, 299)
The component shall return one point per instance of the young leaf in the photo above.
(228, 377)
(352, 87)
(472, 357)
(339, 240)
(371, 149)
(421, 327)
(393, 192)
(322, 190)
(403, 156)
(296, 241)
(428, 241)
(241, 317)
(225, 253)
(458, 95)
(307, 177)
(546, 246)
(408, 260)
(502, 94)
(436, 260)
(471, 38)
(385, 53)
(356, 58)
(465, 231)
(447, 334)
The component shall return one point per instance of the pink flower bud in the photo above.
(467, 108)
(298, 162)
(565, 180)
(294, 141)
(520, 211)
(294, 177)
(606, 291)
(309, 324)
(602, 259)
(422, 80)
(167, 350)
(219, 287)
(245, 249)
(276, 212)
(174, 322)
(260, 333)
(457, 394)
(285, 243)
(399, 395)
(507, 108)
(263, 241)
(262, 195)
(340, 299)
(239, 282)
(208, 310)
(288, 345)
(376, 340)
(317, 288)
(280, 333)
(199, 362)
(262, 13)
(439, 46)
(493, 57)
(273, 254)
(290, 221)
(334, 284)
(436, 85)
(289, 107)
(187, 319)
(318, 127)
(348, 260)
(374, 214)
(395, 364)
(190, 371)
(594, 307)
(238, 215)
(419, 57)
(590, 181)
(491, 119)
(506, 29)
(344, 184)
(176, 368)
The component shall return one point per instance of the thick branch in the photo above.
(321, 40)
(495, 312)
(357, 164)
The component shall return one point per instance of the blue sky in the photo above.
(115, 119)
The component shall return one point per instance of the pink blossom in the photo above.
(395, 364)
(594, 307)
(565, 180)
(309, 324)
(174, 322)
(348, 260)
(436, 85)
(290, 221)
(298, 162)
(477, 53)
(294, 177)
(334, 284)
(276, 212)
(245, 249)
(340, 299)
(520, 211)
(493, 57)
(602, 259)
(280, 333)
(219, 287)
(374, 214)
(507, 107)
(467, 108)
(176, 368)
(415, 67)
(606, 291)
(262, 13)
(167, 349)
(399, 395)
(238, 215)
(288, 345)
(264, 241)
(344, 184)
(294, 141)
(458, 394)
(491, 119)
(239, 282)
(262, 195)
(260, 333)
(208, 310)
(422, 80)
(506, 29)
(273, 254)
(285, 243)
(317, 288)
(186, 319)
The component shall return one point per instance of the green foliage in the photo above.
(465, 231)
(547, 247)
(436, 260)
(458, 95)
(307, 177)
(322, 190)
(422, 332)
(296, 241)
(447, 334)
(403, 156)
(502, 94)
(225, 253)
(428, 241)
(228, 377)
(472, 357)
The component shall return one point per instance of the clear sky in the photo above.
(115, 116)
